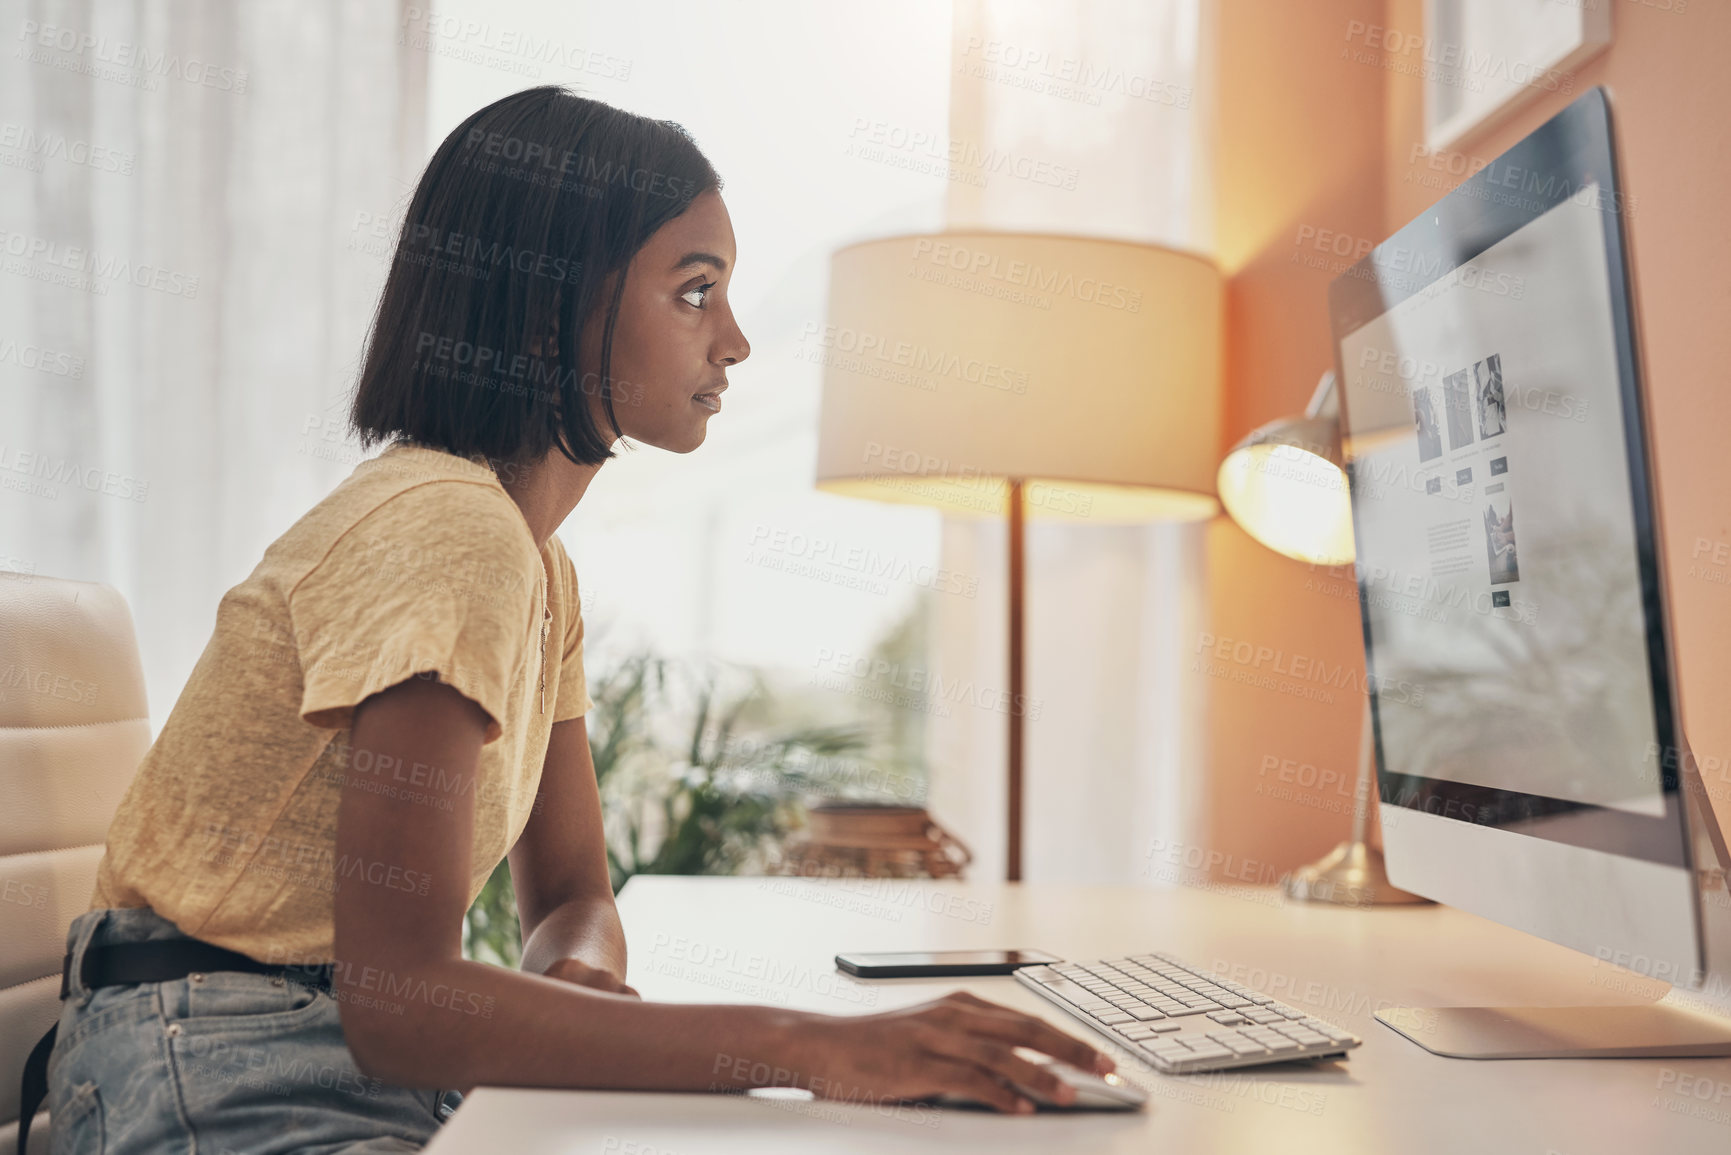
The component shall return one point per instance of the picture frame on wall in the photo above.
(1486, 58)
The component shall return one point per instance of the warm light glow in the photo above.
(1044, 499)
(945, 390)
(1290, 500)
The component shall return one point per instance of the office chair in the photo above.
(73, 729)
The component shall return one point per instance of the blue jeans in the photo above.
(219, 1063)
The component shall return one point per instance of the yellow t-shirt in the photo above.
(419, 561)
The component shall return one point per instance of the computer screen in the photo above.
(1502, 513)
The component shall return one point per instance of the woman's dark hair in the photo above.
(522, 214)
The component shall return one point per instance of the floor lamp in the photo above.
(1286, 486)
(1022, 376)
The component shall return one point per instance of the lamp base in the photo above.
(1351, 874)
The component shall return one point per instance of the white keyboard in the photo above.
(1180, 1019)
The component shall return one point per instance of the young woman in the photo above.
(393, 701)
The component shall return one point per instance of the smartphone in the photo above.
(941, 963)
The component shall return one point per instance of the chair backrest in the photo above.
(73, 728)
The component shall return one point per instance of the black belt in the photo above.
(159, 961)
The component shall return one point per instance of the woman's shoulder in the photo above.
(457, 509)
(421, 509)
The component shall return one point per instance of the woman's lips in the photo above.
(711, 400)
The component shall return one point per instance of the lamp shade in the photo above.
(1285, 486)
(1089, 369)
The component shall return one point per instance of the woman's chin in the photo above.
(676, 440)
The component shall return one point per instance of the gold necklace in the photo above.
(546, 621)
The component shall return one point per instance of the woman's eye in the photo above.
(701, 292)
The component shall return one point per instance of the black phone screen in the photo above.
(928, 964)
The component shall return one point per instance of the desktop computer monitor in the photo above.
(1530, 758)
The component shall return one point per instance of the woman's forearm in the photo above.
(587, 929)
(457, 1024)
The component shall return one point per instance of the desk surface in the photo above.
(772, 940)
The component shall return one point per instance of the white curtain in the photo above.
(196, 200)
(1115, 92)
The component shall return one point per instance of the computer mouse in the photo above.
(1110, 1092)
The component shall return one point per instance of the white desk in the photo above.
(773, 940)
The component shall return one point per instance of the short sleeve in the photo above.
(438, 580)
(573, 700)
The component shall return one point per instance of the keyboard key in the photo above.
(1181, 1011)
(1329, 1029)
(1168, 1025)
(1066, 990)
(1116, 1017)
(1075, 995)
(1136, 1032)
(1204, 1049)
(1239, 1045)
(1144, 1014)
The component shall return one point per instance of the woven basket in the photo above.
(865, 841)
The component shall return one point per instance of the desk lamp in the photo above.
(1286, 486)
(1021, 375)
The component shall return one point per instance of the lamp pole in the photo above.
(1353, 874)
(1013, 868)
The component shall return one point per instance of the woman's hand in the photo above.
(572, 970)
(959, 1044)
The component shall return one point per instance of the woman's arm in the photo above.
(416, 1013)
(571, 927)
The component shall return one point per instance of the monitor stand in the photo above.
(1686, 1023)
(1649, 1031)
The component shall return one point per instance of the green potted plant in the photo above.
(711, 800)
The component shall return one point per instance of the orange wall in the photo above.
(1299, 165)
(1315, 157)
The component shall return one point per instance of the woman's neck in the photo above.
(547, 491)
